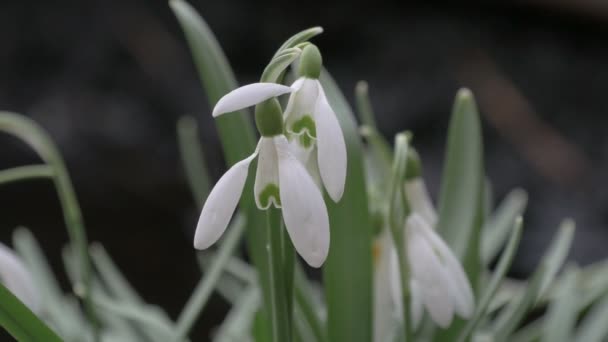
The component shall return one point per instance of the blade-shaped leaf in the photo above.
(20, 322)
(496, 230)
(347, 273)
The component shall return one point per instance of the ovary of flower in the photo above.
(17, 278)
(280, 180)
(437, 280)
(312, 123)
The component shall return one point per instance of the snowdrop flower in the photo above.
(437, 280)
(281, 180)
(313, 125)
(17, 278)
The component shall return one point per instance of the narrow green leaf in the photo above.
(560, 319)
(237, 325)
(191, 153)
(235, 129)
(511, 316)
(36, 138)
(205, 287)
(25, 172)
(499, 273)
(347, 273)
(460, 198)
(20, 322)
(498, 228)
(593, 327)
(111, 276)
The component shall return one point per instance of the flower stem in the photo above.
(288, 267)
(280, 317)
(397, 212)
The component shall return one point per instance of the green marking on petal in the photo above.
(306, 124)
(305, 140)
(270, 191)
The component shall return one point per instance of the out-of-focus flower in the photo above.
(17, 278)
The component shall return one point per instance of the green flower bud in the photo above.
(310, 62)
(269, 118)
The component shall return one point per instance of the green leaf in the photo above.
(20, 173)
(205, 287)
(191, 153)
(20, 322)
(235, 129)
(347, 273)
(509, 318)
(499, 273)
(36, 138)
(497, 229)
(462, 182)
(461, 199)
(562, 314)
(593, 327)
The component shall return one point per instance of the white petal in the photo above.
(429, 274)
(300, 105)
(247, 96)
(460, 287)
(416, 303)
(383, 299)
(17, 278)
(295, 86)
(331, 148)
(304, 210)
(267, 175)
(221, 203)
(420, 201)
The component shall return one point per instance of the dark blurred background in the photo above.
(109, 79)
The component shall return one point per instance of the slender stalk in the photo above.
(279, 312)
(288, 255)
(205, 287)
(396, 218)
(25, 172)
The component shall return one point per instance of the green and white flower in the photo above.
(281, 181)
(312, 124)
(437, 280)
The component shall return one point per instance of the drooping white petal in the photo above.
(266, 188)
(331, 148)
(460, 289)
(420, 201)
(247, 96)
(304, 210)
(299, 113)
(298, 84)
(17, 278)
(429, 273)
(416, 303)
(221, 203)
